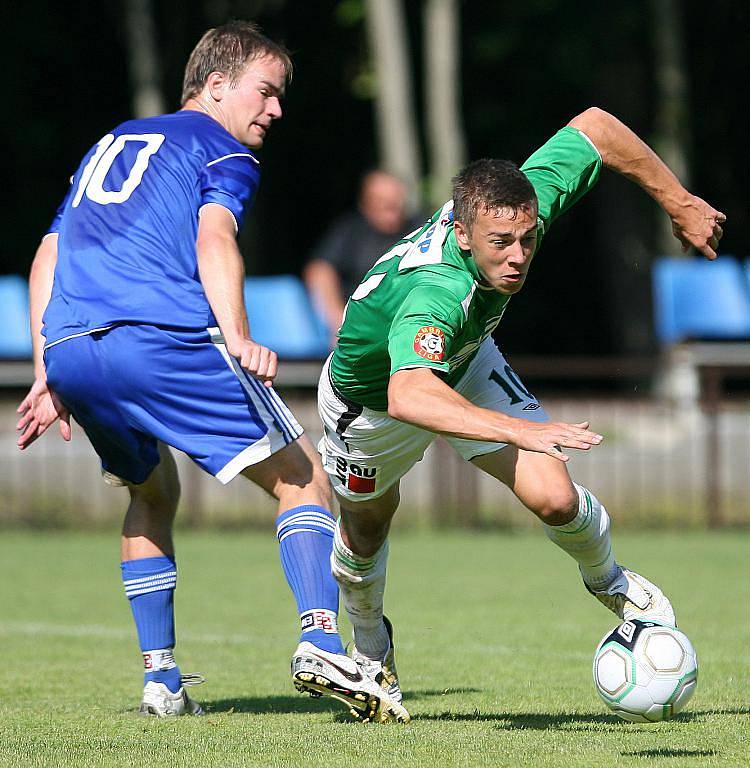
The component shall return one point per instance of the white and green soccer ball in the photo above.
(644, 671)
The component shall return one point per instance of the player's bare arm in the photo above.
(222, 274)
(417, 396)
(694, 222)
(41, 407)
(324, 284)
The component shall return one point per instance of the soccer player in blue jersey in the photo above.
(144, 341)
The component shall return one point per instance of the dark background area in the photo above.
(527, 69)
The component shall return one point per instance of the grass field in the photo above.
(494, 638)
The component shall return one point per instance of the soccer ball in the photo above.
(644, 671)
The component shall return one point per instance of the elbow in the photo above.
(592, 121)
(398, 402)
(395, 410)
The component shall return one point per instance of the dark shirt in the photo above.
(351, 245)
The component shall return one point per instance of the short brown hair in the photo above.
(227, 49)
(490, 185)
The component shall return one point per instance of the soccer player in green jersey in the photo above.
(415, 358)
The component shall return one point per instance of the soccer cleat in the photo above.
(159, 701)
(630, 596)
(382, 672)
(321, 673)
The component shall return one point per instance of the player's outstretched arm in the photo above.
(41, 407)
(694, 222)
(417, 396)
(222, 274)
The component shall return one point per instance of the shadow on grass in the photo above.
(260, 705)
(672, 753)
(576, 722)
(416, 695)
(281, 705)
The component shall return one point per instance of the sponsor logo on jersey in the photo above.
(355, 477)
(429, 343)
(424, 244)
(531, 407)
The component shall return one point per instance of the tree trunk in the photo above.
(143, 60)
(447, 147)
(396, 125)
(672, 119)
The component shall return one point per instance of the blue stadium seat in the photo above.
(282, 317)
(15, 338)
(698, 299)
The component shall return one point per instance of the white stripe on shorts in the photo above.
(270, 408)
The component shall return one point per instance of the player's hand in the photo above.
(550, 437)
(257, 360)
(39, 410)
(697, 224)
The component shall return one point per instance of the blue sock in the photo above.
(305, 541)
(149, 585)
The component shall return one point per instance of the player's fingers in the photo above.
(273, 367)
(556, 453)
(718, 231)
(582, 424)
(249, 359)
(708, 251)
(25, 405)
(24, 420)
(721, 217)
(65, 430)
(29, 435)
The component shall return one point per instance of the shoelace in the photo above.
(192, 679)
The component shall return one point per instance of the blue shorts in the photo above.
(132, 385)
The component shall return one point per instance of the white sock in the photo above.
(586, 539)
(362, 583)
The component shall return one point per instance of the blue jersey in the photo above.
(128, 226)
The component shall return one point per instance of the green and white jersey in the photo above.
(423, 303)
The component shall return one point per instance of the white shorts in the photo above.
(365, 452)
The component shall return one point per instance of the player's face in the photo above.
(252, 102)
(502, 243)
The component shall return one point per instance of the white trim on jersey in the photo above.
(596, 149)
(76, 335)
(466, 301)
(234, 154)
(236, 225)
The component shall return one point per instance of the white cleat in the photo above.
(159, 701)
(383, 672)
(630, 596)
(321, 673)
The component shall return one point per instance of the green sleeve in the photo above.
(424, 327)
(562, 171)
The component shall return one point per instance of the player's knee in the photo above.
(160, 494)
(559, 506)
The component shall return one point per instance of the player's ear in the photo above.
(462, 236)
(216, 85)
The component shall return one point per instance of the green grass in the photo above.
(494, 637)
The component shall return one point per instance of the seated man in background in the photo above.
(354, 242)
